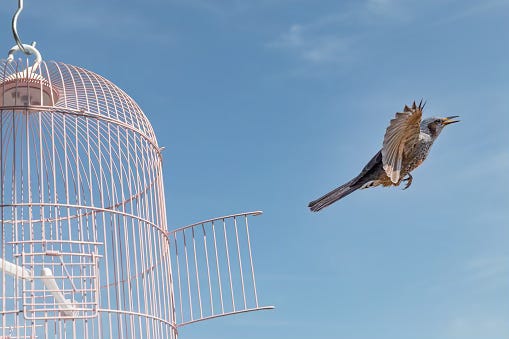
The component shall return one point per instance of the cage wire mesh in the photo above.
(86, 251)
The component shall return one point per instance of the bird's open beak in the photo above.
(450, 120)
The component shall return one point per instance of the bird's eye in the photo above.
(438, 121)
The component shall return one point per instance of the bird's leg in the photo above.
(408, 179)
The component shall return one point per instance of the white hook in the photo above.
(29, 50)
(15, 27)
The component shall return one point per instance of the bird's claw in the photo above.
(408, 181)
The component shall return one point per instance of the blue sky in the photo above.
(269, 104)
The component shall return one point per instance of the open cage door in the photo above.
(213, 269)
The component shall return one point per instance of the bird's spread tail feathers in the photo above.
(333, 196)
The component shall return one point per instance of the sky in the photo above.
(269, 104)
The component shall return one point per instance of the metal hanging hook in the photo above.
(27, 49)
(15, 27)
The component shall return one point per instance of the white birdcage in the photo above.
(86, 251)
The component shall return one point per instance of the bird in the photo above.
(406, 144)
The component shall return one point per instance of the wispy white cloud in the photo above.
(339, 35)
(336, 37)
(310, 47)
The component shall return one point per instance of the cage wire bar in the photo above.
(85, 248)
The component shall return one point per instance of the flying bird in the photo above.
(406, 145)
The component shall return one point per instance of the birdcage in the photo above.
(85, 247)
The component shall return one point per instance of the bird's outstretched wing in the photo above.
(401, 135)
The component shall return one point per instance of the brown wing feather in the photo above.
(402, 134)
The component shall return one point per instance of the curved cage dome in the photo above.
(57, 86)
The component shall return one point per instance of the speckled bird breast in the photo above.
(417, 155)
